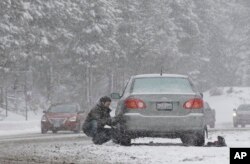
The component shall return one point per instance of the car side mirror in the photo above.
(115, 96)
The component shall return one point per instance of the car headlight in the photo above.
(44, 119)
(72, 119)
(234, 114)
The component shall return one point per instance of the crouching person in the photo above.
(98, 117)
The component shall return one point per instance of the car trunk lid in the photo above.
(164, 104)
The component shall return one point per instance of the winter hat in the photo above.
(105, 99)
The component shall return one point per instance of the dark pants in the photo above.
(99, 135)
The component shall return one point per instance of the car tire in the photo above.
(193, 139)
(187, 140)
(125, 142)
(235, 125)
(120, 137)
(200, 139)
(44, 131)
(78, 130)
(54, 131)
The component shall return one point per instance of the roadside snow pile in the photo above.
(16, 124)
(224, 100)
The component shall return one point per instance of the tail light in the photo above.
(44, 119)
(135, 104)
(193, 104)
(73, 119)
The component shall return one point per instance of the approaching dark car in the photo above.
(209, 115)
(241, 116)
(155, 105)
(63, 117)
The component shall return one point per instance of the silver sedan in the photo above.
(155, 105)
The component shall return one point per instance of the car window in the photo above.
(244, 108)
(162, 85)
(63, 109)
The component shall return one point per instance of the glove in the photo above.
(116, 120)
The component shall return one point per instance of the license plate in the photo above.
(57, 124)
(164, 106)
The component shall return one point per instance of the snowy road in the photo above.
(77, 148)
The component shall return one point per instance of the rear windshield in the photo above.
(64, 108)
(162, 85)
(244, 108)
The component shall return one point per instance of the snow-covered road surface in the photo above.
(77, 148)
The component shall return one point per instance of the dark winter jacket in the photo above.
(99, 113)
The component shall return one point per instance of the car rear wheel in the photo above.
(200, 141)
(193, 139)
(125, 142)
(120, 137)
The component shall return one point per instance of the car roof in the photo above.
(158, 75)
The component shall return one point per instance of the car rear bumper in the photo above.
(242, 120)
(164, 124)
(66, 126)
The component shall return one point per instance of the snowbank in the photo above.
(17, 124)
